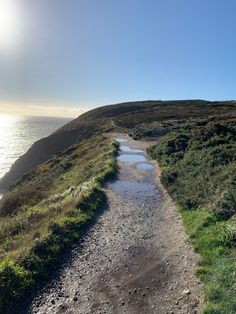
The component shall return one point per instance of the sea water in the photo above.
(18, 133)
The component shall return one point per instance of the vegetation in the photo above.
(198, 162)
(36, 227)
(60, 191)
(125, 116)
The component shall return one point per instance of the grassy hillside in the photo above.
(127, 116)
(60, 191)
(198, 162)
(47, 210)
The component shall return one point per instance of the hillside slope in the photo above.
(125, 115)
(60, 191)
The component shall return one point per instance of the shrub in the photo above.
(14, 281)
(15, 199)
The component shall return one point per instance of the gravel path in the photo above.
(135, 259)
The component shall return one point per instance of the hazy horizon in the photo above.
(60, 58)
(41, 111)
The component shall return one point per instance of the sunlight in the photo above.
(10, 23)
(7, 120)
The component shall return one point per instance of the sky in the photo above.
(63, 57)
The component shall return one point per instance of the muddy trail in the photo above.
(136, 258)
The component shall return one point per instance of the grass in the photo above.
(199, 171)
(133, 116)
(51, 205)
(35, 232)
(215, 242)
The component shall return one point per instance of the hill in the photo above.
(103, 119)
(56, 189)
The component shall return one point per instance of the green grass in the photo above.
(199, 171)
(34, 234)
(53, 203)
(214, 241)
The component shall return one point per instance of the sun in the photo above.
(9, 23)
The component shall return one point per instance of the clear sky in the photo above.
(61, 57)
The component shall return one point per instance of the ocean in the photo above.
(18, 133)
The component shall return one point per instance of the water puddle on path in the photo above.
(137, 191)
(131, 158)
(127, 149)
(133, 155)
(144, 166)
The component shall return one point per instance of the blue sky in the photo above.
(87, 53)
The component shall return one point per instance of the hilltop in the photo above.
(57, 189)
(128, 116)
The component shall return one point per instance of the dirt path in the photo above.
(136, 259)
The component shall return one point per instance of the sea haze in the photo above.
(18, 133)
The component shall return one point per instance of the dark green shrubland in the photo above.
(199, 171)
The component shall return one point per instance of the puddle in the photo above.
(119, 139)
(131, 158)
(144, 166)
(127, 149)
(136, 190)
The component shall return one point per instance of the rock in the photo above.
(75, 299)
(61, 306)
(186, 291)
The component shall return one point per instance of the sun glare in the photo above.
(9, 23)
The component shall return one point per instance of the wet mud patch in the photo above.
(137, 282)
(121, 139)
(137, 191)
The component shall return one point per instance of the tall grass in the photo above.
(33, 237)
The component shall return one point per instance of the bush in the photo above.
(199, 172)
(225, 206)
(15, 199)
(14, 281)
